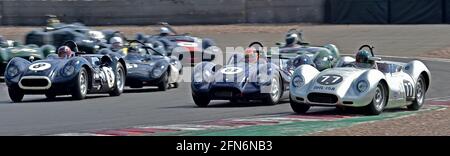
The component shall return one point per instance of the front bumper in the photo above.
(43, 85)
(142, 78)
(331, 99)
(228, 91)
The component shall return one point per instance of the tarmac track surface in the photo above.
(37, 116)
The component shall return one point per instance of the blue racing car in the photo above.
(150, 65)
(248, 76)
(68, 73)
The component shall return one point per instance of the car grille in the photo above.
(322, 98)
(35, 83)
(225, 92)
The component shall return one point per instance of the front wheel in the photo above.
(420, 94)
(15, 95)
(275, 92)
(120, 81)
(201, 101)
(80, 90)
(378, 103)
(299, 108)
(164, 85)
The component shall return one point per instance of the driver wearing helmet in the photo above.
(323, 60)
(117, 45)
(164, 31)
(64, 52)
(292, 40)
(302, 60)
(363, 60)
(251, 56)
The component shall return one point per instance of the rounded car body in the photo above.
(147, 66)
(389, 85)
(57, 76)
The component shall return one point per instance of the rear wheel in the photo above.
(120, 81)
(299, 108)
(201, 101)
(80, 90)
(15, 95)
(378, 103)
(420, 94)
(164, 85)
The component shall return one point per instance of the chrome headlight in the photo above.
(12, 71)
(362, 86)
(202, 76)
(158, 71)
(68, 70)
(198, 77)
(298, 81)
(129, 66)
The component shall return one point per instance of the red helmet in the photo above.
(251, 55)
(64, 52)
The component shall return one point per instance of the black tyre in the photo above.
(15, 95)
(276, 91)
(80, 90)
(164, 85)
(299, 108)
(201, 101)
(176, 85)
(119, 81)
(420, 94)
(379, 101)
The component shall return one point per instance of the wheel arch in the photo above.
(124, 65)
(386, 85)
(427, 79)
(90, 74)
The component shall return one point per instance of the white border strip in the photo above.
(412, 57)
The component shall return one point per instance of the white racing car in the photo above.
(364, 82)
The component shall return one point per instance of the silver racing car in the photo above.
(364, 82)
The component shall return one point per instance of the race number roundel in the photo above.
(329, 79)
(40, 66)
(231, 70)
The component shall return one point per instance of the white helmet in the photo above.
(96, 35)
(164, 30)
(116, 40)
(291, 39)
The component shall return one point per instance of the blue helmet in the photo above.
(301, 60)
